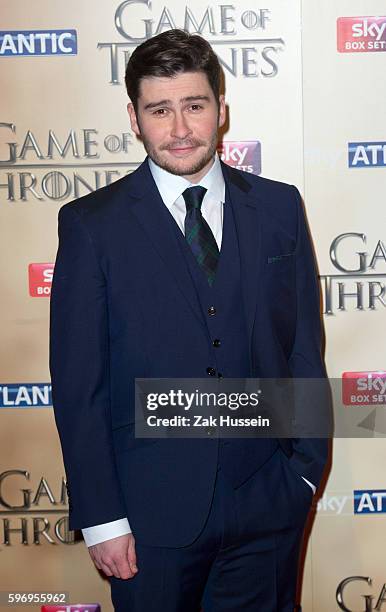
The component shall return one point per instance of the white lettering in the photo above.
(379, 496)
(364, 29)
(43, 37)
(61, 44)
(360, 156)
(48, 274)
(27, 43)
(365, 503)
(8, 44)
(23, 396)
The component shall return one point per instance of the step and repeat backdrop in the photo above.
(305, 89)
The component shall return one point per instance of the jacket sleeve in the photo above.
(312, 397)
(79, 367)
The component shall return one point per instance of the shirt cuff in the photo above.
(311, 485)
(105, 531)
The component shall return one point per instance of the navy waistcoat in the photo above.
(223, 312)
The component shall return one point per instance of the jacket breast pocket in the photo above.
(280, 258)
(279, 269)
(279, 287)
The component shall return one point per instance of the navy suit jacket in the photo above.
(123, 306)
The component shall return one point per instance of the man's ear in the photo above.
(133, 119)
(222, 111)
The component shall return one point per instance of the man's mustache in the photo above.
(182, 145)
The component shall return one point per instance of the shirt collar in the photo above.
(172, 186)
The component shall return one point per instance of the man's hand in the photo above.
(116, 557)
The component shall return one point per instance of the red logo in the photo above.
(364, 388)
(40, 279)
(361, 34)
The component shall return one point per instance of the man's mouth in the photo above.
(182, 149)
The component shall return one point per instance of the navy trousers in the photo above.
(245, 558)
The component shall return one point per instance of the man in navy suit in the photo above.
(186, 268)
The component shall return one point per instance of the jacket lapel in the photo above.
(150, 211)
(245, 208)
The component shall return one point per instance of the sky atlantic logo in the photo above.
(361, 34)
(367, 154)
(25, 395)
(38, 42)
(334, 504)
(243, 155)
(371, 501)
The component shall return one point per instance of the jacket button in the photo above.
(211, 371)
(216, 342)
(211, 310)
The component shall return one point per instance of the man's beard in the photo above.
(179, 169)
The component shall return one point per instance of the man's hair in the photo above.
(169, 54)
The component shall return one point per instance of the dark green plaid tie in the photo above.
(198, 233)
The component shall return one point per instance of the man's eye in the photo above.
(160, 111)
(196, 107)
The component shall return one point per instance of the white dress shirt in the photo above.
(171, 188)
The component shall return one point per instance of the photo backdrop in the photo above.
(305, 89)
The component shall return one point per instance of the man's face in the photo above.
(178, 119)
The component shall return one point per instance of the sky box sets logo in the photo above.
(243, 155)
(364, 388)
(361, 34)
(40, 279)
(38, 42)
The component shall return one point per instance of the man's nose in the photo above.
(180, 127)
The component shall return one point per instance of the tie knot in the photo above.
(193, 197)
